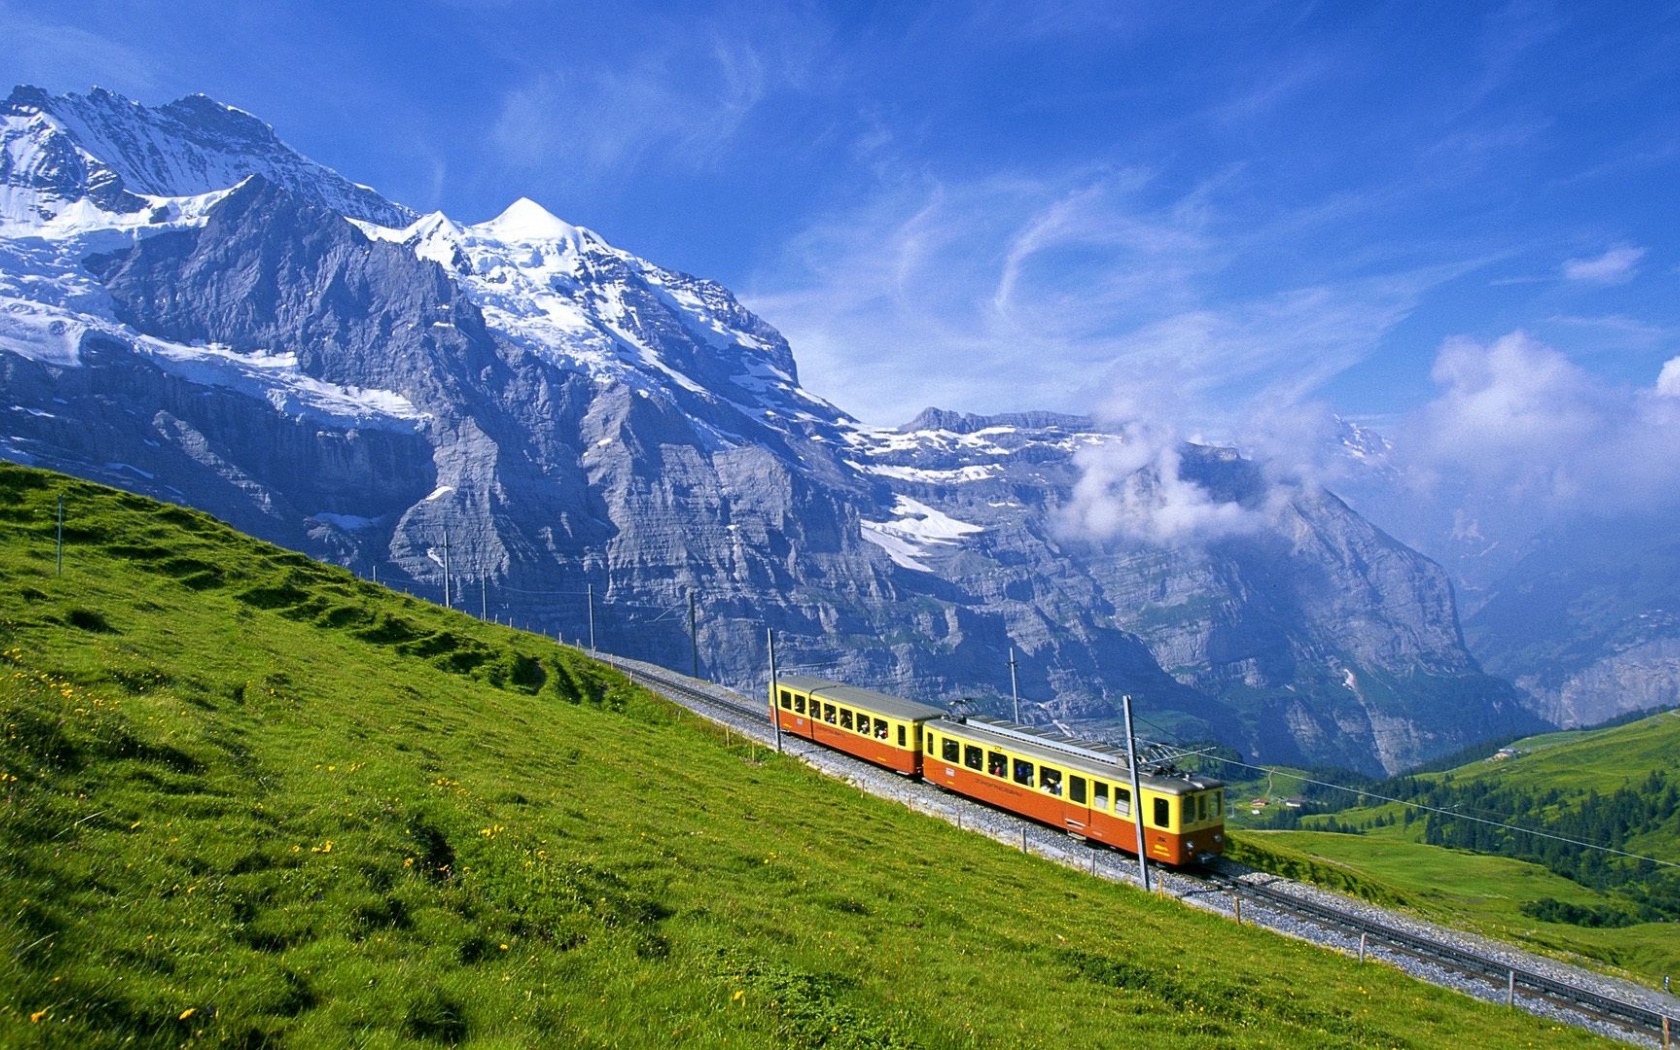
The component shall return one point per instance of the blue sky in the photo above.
(1215, 211)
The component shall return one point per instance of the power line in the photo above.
(1458, 814)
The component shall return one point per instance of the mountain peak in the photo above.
(110, 149)
(526, 220)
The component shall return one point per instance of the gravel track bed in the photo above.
(1105, 863)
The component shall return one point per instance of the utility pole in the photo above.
(447, 604)
(61, 534)
(483, 598)
(693, 638)
(591, 593)
(1137, 793)
(775, 718)
(1014, 686)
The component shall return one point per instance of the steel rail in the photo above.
(1498, 974)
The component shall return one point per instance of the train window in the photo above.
(799, 705)
(1189, 810)
(997, 764)
(1023, 772)
(1201, 807)
(1219, 803)
(900, 736)
(881, 729)
(1100, 792)
(1050, 780)
(1123, 801)
(787, 700)
(952, 751)
(1163, 813)
(845, 718)
(1076, 790)
(828, 713)
(973, 757)
(866, 725)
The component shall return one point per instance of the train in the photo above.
(1081, 787)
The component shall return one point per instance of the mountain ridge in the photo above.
(575, 421)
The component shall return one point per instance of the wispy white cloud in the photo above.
(1052, 292)
(682, 105)
(1616, 266)
(63, 57)
(1668, 380)
(1535, 433)
(1138, 491)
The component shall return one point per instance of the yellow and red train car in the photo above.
(1081, 787)
(876, 727)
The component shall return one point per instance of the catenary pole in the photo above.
(775, 719)
(483, 599)
(1137, 793)
(693, 638)
(1014, 686)
(591, 593)
(447, 604)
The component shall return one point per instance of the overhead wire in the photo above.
(1453, 812)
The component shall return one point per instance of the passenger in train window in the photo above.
(828, 713)
(799, 705)
(1023, 772)
(1050, 780)
(973, 757)
(845, 718)
(881, 730)
(997, 764)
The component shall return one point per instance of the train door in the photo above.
(1076, 814)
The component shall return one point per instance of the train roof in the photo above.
(1087, 756)
(867, 699)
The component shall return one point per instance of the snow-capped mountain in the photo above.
(189, 308)
(56, 151)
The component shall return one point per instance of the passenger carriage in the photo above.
(1081, 787)
(886, 730)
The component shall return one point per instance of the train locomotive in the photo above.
(1081, 787)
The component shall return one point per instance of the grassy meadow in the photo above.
(1390, 862)
(248, 800)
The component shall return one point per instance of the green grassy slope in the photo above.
(1391, 861)
(251, 801)
(1599, 760)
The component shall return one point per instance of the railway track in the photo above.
(1517, 982)
(1522, 986)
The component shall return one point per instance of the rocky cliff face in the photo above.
(1587, 623)
(190, 309)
